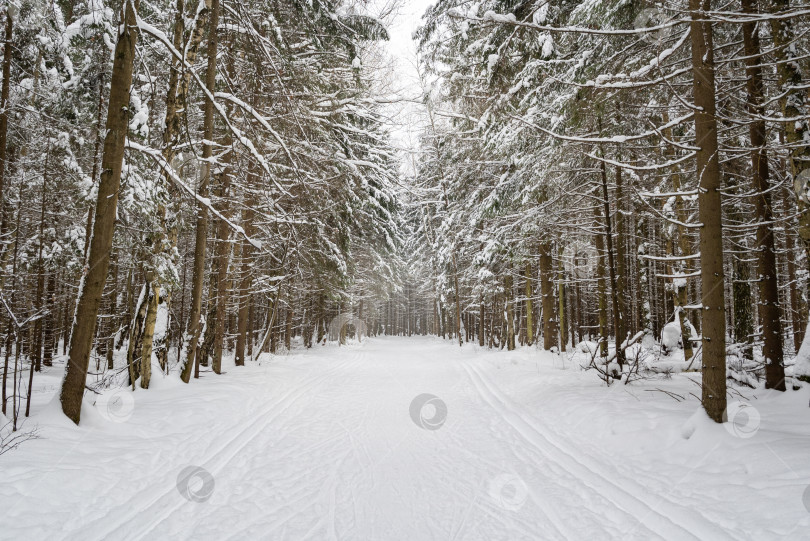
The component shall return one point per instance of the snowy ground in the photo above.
(322, 444)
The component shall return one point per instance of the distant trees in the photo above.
(645, 135)
(587, 172)
(220, 198)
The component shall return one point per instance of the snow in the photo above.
(491, 16)
(492, 60)
(409, 439)
(539, 16)
(671, 335)
(802, 366)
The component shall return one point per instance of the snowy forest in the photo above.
(230, 225)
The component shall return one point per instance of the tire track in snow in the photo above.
(683, 519)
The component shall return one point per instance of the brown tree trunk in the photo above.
(458, 302)
(135, 334)
(194, 323)
(601, 282)
(769, 310)
(508, 297)
(682, 267)
(165, 242)
(529, 306)
(37, 350)
(709, 201)
(547, 294)
(245, 280)
(797, 318)
(4, 104)
(561, 303)
(219, 278)
(621, 262)
(481, 323)
(92, 284)
(618, 317)
(152, 303)
(288, 327)
(793, 101)
(50, 322)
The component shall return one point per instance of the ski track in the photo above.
(321, 446)
(588, 475)
(144, 503)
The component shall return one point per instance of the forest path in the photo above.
(327, 444)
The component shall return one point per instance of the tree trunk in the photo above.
(508, 296)
(50, 321)
(742, 308)
(681, 267)
(4, 105)
(770, 312)
(796, 309)
(618, 317)
(135, 334)
(219, 279)
(621, 260)
(152, 302)
(793, 102)
(165, 243)
(92, 284)
(601, 282)
(709, 201)
(547, 294)
(561, 303)
(37, 350)
(288, 327)
(458, 301)
(245, 280)
(529, 312)
(194, 323)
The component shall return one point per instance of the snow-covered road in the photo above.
(327, 444)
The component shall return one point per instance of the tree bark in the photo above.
(601, 282)
(547, 294)
(793, 102)
(508, 297)
(529, 311)
(679, 288)
(770, 313)
(561, 303)
(4, 104)
(481, 323)
(709, 201)
(37, 349)
(618, 317)
(797, 318)
(152, 303)
(194, 323)
(245, 280)
(621, 261)
(50, 321)
(92, 284)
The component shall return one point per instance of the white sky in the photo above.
(406, 82)
(404, 24)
